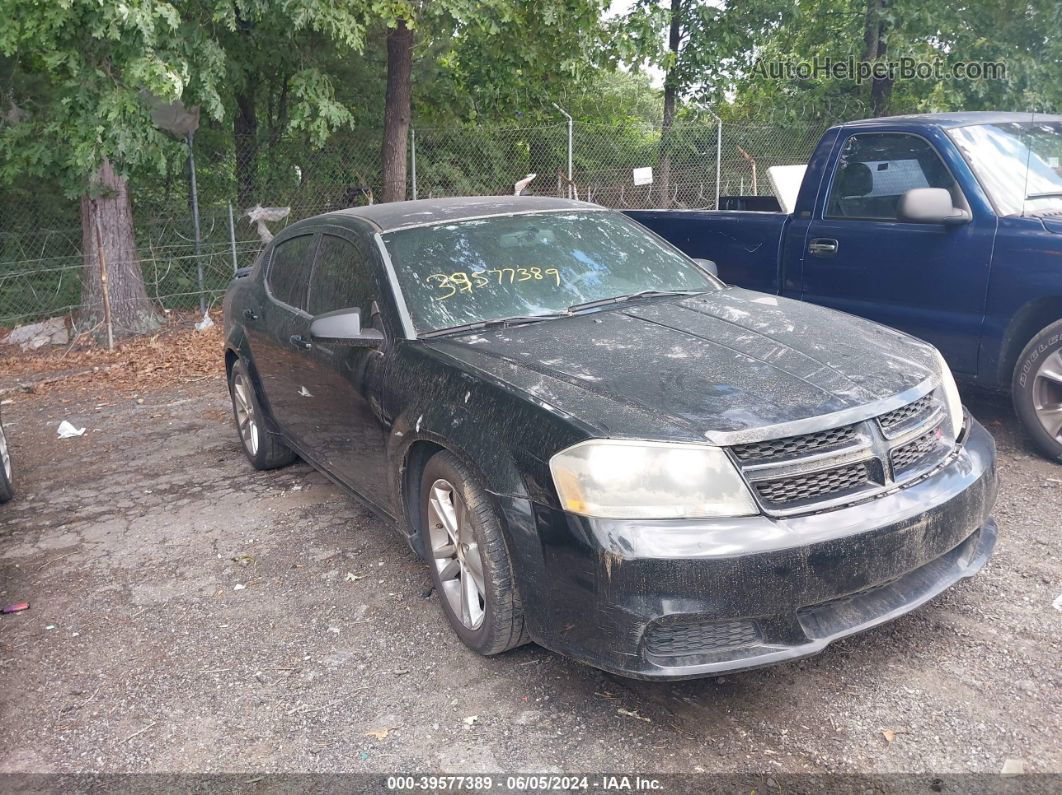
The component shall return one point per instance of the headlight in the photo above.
(614, 479)
(951, 395)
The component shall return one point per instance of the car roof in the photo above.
(949, 120)
(397, 215)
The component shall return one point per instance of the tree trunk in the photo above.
(397, 111)
(674, 38)
(875, 33)
(245, 138)
(131, 310)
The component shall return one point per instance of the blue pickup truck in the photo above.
(947, 226)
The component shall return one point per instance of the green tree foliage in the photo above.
(1018, 33)
(495, 55)
(79, 71)
(78, 68)
(499, 58)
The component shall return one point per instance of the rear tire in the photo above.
(469, 561)
(1037, 390)
(7, 489)
(260, 441)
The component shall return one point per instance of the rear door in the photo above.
(926, 279)
(277, 334)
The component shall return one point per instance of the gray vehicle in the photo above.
(7, 490)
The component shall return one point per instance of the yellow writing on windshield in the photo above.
(450, 284)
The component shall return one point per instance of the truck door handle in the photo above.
(249, 314)
(300, 342)
(823, 247)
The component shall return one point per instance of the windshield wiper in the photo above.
(1054, 194)
(479, 325)
(618, 299)
(502, 322)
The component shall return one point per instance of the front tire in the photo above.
(259, 440)
(1037, 390)
(469, 561)
(7, 489)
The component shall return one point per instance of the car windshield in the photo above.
(539, 264)
(1018, 163)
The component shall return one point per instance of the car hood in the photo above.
(703, 367)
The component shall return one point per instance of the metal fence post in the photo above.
(571, 185)
(232, 240)
(718, 151)
(413, 150)
(195, 224)
(718, 158)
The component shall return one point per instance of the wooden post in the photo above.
(103, 277)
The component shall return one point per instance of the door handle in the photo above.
(299, 342)
(248, 314)
(823, 247)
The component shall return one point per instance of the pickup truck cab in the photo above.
(946, 226)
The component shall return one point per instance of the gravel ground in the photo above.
(190, 614)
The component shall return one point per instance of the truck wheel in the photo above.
(7, 490)
(1037, 390)
(469, 561)
(260, 441)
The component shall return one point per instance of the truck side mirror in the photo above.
(931, 206)
(708, 265)
(344, 326)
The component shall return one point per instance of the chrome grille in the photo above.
(838, 466)
(796, 445)
(699, 637)
(894, 420)
(816, 484)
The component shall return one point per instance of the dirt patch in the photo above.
(176, 354)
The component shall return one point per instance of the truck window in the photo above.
(876, 169)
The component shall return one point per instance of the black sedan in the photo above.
(600, 447)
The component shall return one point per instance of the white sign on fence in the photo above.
(643, 176)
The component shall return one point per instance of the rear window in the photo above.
(289, 270)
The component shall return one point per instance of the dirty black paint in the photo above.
(718, 367)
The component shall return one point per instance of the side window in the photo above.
(875, 170)
(342, 278)
(289, 270)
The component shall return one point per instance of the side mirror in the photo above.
(708, 265)
(931, 206)
(344, 326)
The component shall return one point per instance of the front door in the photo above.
(926, 279)
(346, 432)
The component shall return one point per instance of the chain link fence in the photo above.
(42, 243)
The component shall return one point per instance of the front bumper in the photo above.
(680, 599)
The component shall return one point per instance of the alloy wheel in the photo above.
(456, 554)
(1047, 394)
(245, 416)
(5, 456)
